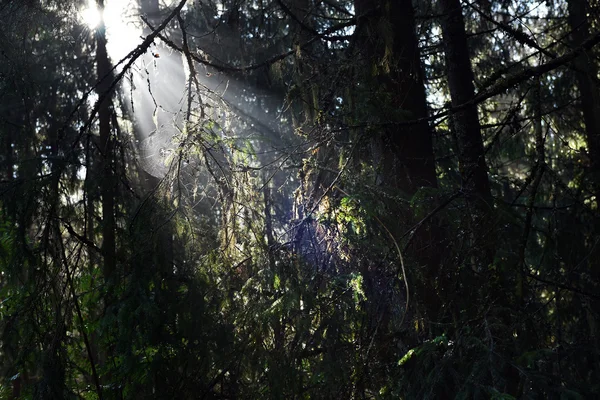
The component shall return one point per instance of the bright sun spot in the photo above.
(91, 15)
(122, 32)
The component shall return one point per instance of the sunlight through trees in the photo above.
(299, 199)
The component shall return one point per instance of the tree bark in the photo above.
(387, 42)
(587, 82)
(471, 154)
(166, 80)
(108, 183)
(390, 71)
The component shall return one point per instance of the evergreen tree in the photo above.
(299, 199)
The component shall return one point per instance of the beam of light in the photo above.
(122, 26)
(90, 15)
(157, 101)
(156, 90)
(159, 104)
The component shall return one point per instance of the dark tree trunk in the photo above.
(158, 113)
(587, 81)
(404, 154)
(474, 176)
(471, 155)
(589, 88)
(108, 182)
(390, 72)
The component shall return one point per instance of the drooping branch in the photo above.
(505, 84)
(82, 325)
(309, 29)
(132, 56)
(518, 35)
(522, 76)
(251, 67)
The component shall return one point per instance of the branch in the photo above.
(524, 75)
(266, 63)
(509, 82)
(133, 56)
(412, 231)
(562, 286)
(523, 38)
(519, 35)
(79, 237)
(307, 28)
(86, 341)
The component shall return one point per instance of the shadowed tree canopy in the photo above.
(299, 199)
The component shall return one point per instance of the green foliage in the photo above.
(424, 349)
(287, 252)
(356, 283)
(350, 218)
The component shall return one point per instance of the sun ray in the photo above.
(90, 15)
(122, 25)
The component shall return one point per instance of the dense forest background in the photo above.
(299, 199)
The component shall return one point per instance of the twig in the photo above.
(399, 255)
(86, 340)
(412, 231)
(251, 67)
(133, 56)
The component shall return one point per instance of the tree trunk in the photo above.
(386, 49)
(108, 182)
(387, 42)
(159, 114)
(471, 155)
(587, 81)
